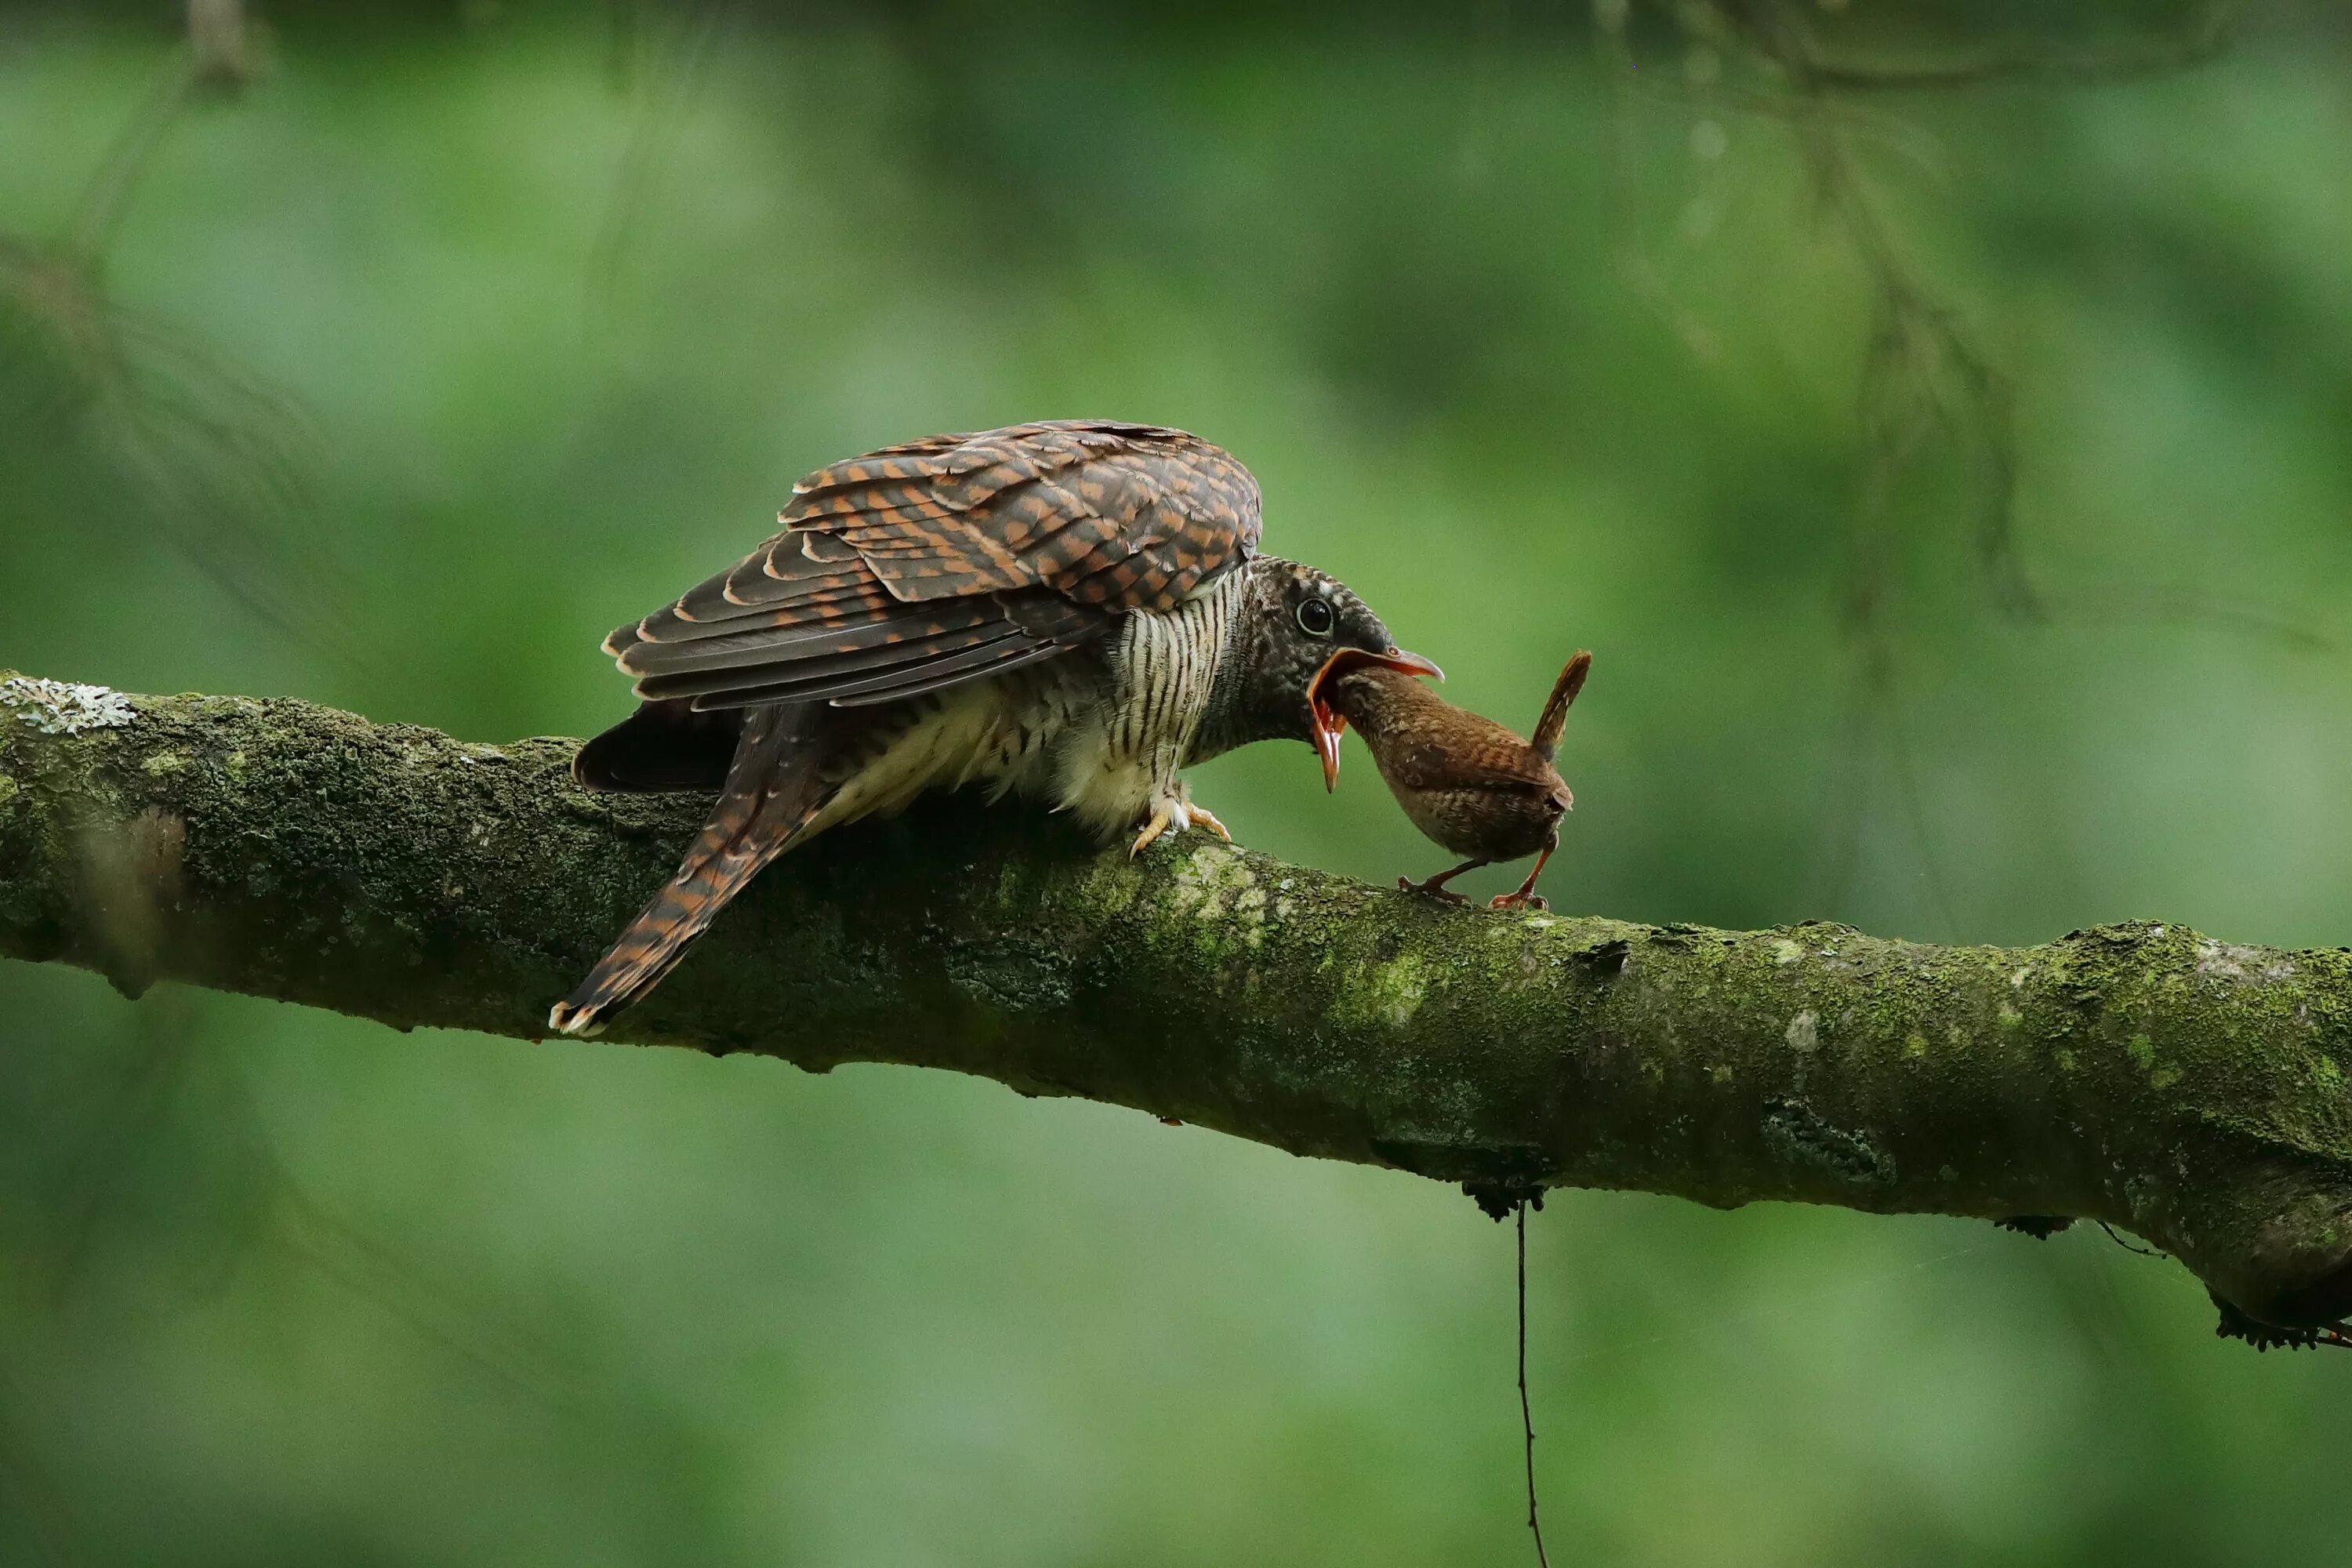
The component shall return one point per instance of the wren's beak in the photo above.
(1330, 724)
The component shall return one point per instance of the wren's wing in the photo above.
(1478, 755)
(949, 560)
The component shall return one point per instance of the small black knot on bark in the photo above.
(2236, 1325)
(1607, 959)
(2040, 1226)
(1496, 1200)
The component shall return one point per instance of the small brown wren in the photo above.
(1467, 782)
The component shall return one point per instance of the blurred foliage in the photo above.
(1952, 481)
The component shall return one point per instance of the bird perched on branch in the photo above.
(1074, 609)
(1467, 782)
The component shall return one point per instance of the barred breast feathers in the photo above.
(1158, 672)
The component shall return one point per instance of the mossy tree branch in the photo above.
(2191, 1090)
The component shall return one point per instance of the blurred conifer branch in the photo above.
(1933, 402)
(659, 58)
(210, 455)
(2188, 1089)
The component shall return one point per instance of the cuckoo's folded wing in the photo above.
(951, 559)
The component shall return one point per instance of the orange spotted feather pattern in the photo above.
(951, 559)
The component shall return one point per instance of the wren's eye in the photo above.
(1314, 617)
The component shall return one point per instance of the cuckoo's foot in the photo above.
(1169, 815)
(1206, 818)
(1174, 813)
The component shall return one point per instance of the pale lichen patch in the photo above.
(1249, 908)
(1805, 1032)
(1386, 994)
(1785, 951)
(65, 707)
(2230, 961)
(1212, 882)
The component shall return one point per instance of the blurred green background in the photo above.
(1955, 485)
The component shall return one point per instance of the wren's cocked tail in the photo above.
(1467, 782)
(1074, 610)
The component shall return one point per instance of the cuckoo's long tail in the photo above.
(1549, 728)
(771, 792)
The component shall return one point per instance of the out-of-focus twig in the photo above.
(216, 458)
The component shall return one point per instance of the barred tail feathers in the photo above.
(768, 798)
(1554, 722)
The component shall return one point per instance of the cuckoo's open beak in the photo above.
(1330, 724)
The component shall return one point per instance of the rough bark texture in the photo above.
(2191, 1090)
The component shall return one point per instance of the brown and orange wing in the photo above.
(948, 560)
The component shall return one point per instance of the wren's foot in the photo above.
(1523, 897)
(1432, 888)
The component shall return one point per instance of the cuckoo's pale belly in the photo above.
(1099, 732)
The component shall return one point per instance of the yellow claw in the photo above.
(1161, 816)
(1208, 819)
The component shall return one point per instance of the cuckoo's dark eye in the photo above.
(1314, 617)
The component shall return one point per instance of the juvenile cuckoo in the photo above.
(1073, 610)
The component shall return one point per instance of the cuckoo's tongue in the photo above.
(1330, 724)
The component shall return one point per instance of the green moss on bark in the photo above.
(2143, 1075)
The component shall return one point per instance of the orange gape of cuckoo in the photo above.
(1074, 610)
(1467, 782)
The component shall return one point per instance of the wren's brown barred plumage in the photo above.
(1074, 609)
(1467, 782)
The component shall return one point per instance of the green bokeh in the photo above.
(1536, 355)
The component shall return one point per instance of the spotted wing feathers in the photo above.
(951, 559)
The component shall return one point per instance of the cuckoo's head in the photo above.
(1300, 629)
